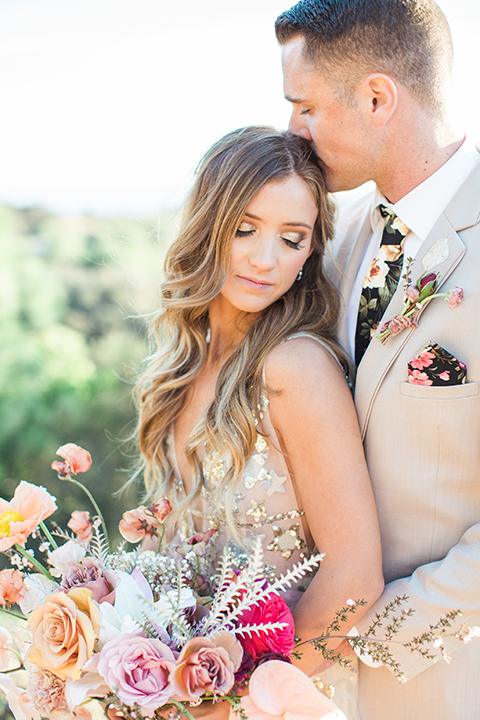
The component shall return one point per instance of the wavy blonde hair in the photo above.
(227, 178)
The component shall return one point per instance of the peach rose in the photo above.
(78, 459)
(135, 524)
(12, 587)
(204, 665)
(64, 630)
(18, 519)
(81, 525)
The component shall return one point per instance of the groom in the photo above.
(368, 83)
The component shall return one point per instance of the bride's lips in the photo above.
(255, 284)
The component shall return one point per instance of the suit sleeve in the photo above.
(434, 590)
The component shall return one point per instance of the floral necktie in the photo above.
(380, 281)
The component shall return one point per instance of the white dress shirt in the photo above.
(419, 210)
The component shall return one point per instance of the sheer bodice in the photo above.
(266, 502)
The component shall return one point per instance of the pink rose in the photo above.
(137, 669)
(12, 587)
(135, 524)
(81, 525)
(18, 519)
(77, 459)
(89, 575)
(206, 664)
(273, 609)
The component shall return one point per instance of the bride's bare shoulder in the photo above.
(300, 360)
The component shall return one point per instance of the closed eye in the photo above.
(295, 244)
(304, 112)
(245, 230)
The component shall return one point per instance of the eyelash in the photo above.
(290, 243)
(304, 112)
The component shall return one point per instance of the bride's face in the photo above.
(271, 245)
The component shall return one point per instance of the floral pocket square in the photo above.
(436, 366)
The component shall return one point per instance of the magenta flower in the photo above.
(274, 609)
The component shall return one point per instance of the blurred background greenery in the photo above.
(75, 295)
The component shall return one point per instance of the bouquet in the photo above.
(141, 633)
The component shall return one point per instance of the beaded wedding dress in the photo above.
(265, 504)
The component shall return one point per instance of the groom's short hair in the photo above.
(348, 39)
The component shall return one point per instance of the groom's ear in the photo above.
(378, 97)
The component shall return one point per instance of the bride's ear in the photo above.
(378, 98)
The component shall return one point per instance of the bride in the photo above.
(246, 419)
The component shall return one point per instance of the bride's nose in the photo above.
(263, 256)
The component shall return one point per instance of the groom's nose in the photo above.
(298, 126)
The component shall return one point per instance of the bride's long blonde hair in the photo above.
(228, 177)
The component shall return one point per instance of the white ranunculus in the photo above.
(71, 551)
(38, 587)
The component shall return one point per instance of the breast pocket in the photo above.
(434, 392)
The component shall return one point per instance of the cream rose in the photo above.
(64, 630)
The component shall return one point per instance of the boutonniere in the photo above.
(416, 296)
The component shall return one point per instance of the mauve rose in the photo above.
(138, 670)
(274, 609)
(204, 666)
(90, 576)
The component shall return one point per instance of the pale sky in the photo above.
(109, 104)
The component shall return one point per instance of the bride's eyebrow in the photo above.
(298, 224)
(288, 224)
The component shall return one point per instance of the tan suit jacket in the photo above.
(423, 451)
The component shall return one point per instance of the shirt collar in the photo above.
(422, 206)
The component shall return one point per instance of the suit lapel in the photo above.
(378, 358)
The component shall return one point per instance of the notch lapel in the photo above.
(379, 358)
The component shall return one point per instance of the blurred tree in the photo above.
(74, 298)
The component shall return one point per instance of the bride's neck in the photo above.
(226, 333)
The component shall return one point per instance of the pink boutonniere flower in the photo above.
(416, 296)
